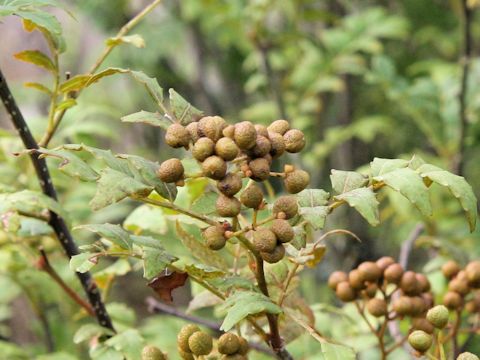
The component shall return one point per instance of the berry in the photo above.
(450, 269)
(192, 129)
(230, 184)
(226, 149)
(409, 284)
(227, 206)
(459, 286)
(228, 344)
(264, 240)
(245, 135)
(203, 148)
(252, 196)
(296, 181)
(467, 356)
(438, 316)
(452, 300)
(345, 292)
(473, 273)
(393, 273)
(294, 141)
(420, 340)
(356, 279)
(277, 144)
(422, 324)
(275, 256)
(262, 147)
(211, 127)
(370, 271)
(150, 352)
(214, 167)
(385, 262)
(283, 230)
(336, 278)
(377, 307)
(214, 237)
(261, 130)
(260, 169)
(200, 343)
(287, 205)
(279, 127)
(170, 170)
(402, 306)
(244, 346)
(184, 334)
(177, 136)
(423, 283)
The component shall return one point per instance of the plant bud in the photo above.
(385, 262)
(335, 278)
(252, 196)
(230, 184)
(286, 204)
(438, 316)
(227, 206)
(211, 127)
(422, 324)
(370, 271)
(345, 292)
(356, 279)
(296, 181)
(450, 269)
(420, 340)
(279, 127)
(275, 256)
(467, 356)
(177, 136)
(262, 147)
(214, 237)
(226, 149)
(452, 300)
(203, 148)
(150, 352)
(245, 135)
(214, 167)
(170, 170)
(228, 344)
(294, 141)
(277, 144)
(377, 307)
(473, 273)
(264, 240)
(283, 230)
(261, 130)
(402, 305)
(260, 169)
(184, 335)
(393, 273)
(200, 343)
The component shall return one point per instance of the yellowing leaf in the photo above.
(36, 57)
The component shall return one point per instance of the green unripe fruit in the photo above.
(244, 346)
(226, 149)
(200, 343)
(282, 230)
(252, 196)
(377, 307)
(214, 167)
(150, 352)
(230, 184)
(294, 141)
(420, 340)
(170, 170)
(214, 237)
(452, 300)
(260, 169)
(356, 279)
(370, 271)
(450, 269)
(393, 273)
(403, 305)
(438, 316)
(227, 206)
(275, 256)
(211, 127)
(264, 240)
(185, 355)
(262, 146)
(336, 278)
(203, 148)
(177, 136)
(345, 292)
(261, 130)
(467, 356)
(285, 205)
(296, 181)
(192, 129)
(473, 273)
(277, 144)
(422, 324)
(245, 135)
(279, 127)
(385, 262)
(184, 334)
(228, 344)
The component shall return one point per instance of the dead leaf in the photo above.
(165, 283)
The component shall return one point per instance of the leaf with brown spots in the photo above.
(165, 283)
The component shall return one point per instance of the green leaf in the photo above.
(146, 218)
(107, 72)
(205, 204)
(89, 331)
(344, 181)
(312, 198)
(113, 186)
(203, 271)
(410, 184)
(129, 343)
(46, 22)
(337, 352)
(75, 83)
(102, 352)
(315, 216)
(151, 84)
(155, 261)
(66, 104)
(113, 232)
(38, 86)
(33, 227)
(153, 119)
(30, 203)
(81, 263)
(381, 166)
(458, 186)
(36, 57)
(134, 39)
(244, 303)
(364, 201)
(183, 111)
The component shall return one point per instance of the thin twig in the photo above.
(408, 244)
(56, 222)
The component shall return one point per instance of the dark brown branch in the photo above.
(56, 222)
(462, 95)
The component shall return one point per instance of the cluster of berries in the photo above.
(193, 342)
(462, 286)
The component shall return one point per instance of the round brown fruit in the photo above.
(370, 271)
(452, 300)
(283, 230)
(279, 127)
(227, 206)
(473, 273)
(261, 130)
(286, 205)
(203, 148)
(335, 278)
(262, 147)
(214, 167)
(356, 280)
(264, 240)
(385, 262)
(421, 323)
(177, 136)
(200, 343)
(228, 344)
(296, 181)
(377, 307)
(184, 334)
(245, 135)
(277, 144)
(211, 127)
(393, 273)
(409, 283)
(275, 256)
(252, 196)
(450, 269)
(403, 305)
(214, 237)
(260, 169)
(226, 149)
(230, 184)
(345, 292)
(170, 170)
(294, 141)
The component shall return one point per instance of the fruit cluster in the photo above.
(193, 342)
(462, 286)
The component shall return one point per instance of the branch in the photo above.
(408, 245)
(56, 222)
(462, 95)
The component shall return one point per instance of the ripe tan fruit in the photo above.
(294, 141)
(226, 149)
(393, 273)
(283, 230)
(450, 269)
(421, 323)
(203, 148)
(214, 237)
(177, 136)
(452, 300)
(403, 305)
(150, 352)
(214, 167)
(184, 335)
(262, 147)
(200, 343)
(409, 283)
(296, 181)
(170, 170)
(228, 344)
(473, 273)
(423, 283)
(211, 127)
(264, 240)
(277, 144)
(230, 184)
(345, 292)
(275, 256)
(371, 290)
(279, 127)
(287, 205)
(370, 271)
(356, 279)
(229, 131)
(420, 340)
(227, 206)
(260, 169)
(377, 307)
(336, 278)
(192, 129)
(459, 286)
(385, 262)
(252, 196)
(418, 305)
(245, 135)
(261, 130)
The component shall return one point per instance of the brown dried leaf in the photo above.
(165, 283)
